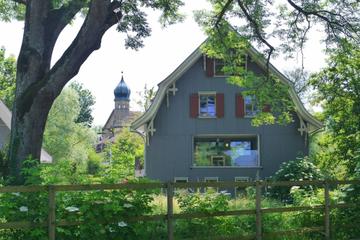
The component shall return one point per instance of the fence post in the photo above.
(258, 211)
(327, 211)
(170, 210)
(51, 214)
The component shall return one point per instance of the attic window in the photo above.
(218, 67)
(207, 105)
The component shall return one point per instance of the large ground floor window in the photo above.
(242, 151)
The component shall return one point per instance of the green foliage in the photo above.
(11, 10)
(7, 78)
(94, 162)
(2, 163)
(65, 139)
(294, 170)
(113, 208)
(146, 97)
(86, 101)
(338, 91)
(105, 213)
(203, 203)
(134, 22)
(121, 155)
(323, 152)
(289, 22)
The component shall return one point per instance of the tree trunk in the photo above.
(38, 85)
(27, 136)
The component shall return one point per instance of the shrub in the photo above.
(201, 203)
(104, 214)
(295, 170)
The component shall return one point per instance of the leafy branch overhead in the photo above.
(262, 21)
(233, 24)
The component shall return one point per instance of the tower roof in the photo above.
(122, 91)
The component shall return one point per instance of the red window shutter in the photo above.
(266, 108)
(194, 105)
(220, 105)
(209, 67)
(239, 106)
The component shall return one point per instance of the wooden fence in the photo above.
(170, 217)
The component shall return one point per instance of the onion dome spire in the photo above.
(122, 91)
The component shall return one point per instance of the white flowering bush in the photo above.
(102, 214)
(295, 170)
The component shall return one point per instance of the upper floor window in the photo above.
(251, 108)
(207, 105)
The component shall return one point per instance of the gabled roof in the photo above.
(5, 116)
(126, 119)
(150, 114)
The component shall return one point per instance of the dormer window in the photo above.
(207, 105)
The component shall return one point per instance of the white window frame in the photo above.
(186, 179)
(199, 107)
(181, 179)
(258, 166)
(218, 75)
(240, 179)
(216, 179)
(223, 159)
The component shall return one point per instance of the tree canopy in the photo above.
(87, 101)
(274, 27)
(289, 21)
(64, 138)
(338, 91)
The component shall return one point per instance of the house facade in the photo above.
(198, 127)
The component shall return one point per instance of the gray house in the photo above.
(198, 127)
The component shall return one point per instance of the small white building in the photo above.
(5, 128)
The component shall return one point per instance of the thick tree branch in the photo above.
(58, 19)
(223, 11)
(100, 18)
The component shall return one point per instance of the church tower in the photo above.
(122, 101)
(121, 116)
(122, 95)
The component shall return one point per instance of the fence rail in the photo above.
(170, 217)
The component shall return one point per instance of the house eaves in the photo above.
(194, 56)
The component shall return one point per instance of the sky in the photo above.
(164, 50)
